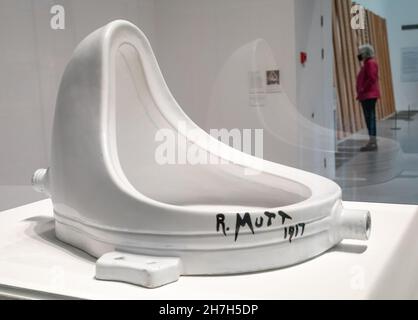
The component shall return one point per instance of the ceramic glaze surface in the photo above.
(233, 215)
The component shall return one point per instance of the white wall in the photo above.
(379, 7)
(32, 60)
(314, 82)
(402, 12)
(207, 48)
(201, 34)
(398, 13)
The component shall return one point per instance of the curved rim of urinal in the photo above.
(314, 188)
(89, 223)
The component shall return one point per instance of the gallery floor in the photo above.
(389, 175)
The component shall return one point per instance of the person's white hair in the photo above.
(367, 51)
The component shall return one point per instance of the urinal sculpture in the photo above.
(149, 223)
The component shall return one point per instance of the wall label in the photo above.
(409, 65)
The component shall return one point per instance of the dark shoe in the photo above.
(370, 147)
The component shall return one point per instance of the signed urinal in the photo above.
(210, 210)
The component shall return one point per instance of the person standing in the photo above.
(368, 92)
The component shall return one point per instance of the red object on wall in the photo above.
(303, 58)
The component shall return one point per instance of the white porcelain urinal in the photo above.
(211, 211)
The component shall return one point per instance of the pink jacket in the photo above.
(368, 81)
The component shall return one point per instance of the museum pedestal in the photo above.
(35, 265)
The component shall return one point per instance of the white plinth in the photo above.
(34, 264)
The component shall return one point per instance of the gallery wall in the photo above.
(402, 12)
(314, 83)
(207, 49)
(32, 59)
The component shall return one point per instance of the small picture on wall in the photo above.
(273, 81)
(273, 77)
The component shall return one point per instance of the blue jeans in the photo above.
(369, 110)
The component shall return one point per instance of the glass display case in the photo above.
(207, 138)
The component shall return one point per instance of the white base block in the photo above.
(145, 271)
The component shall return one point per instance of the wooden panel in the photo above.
(347, 62)
(343, 99)
(353, 65)
(346, 66)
